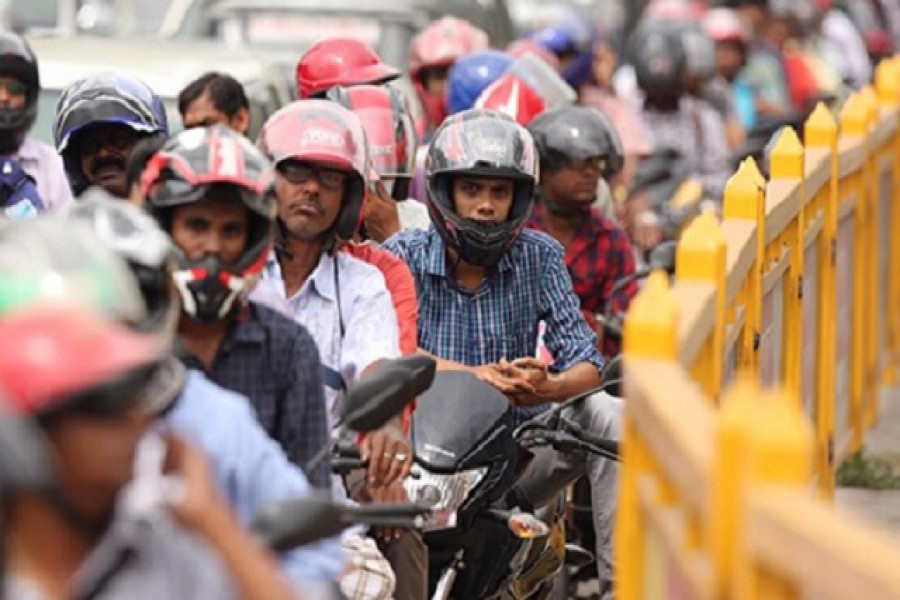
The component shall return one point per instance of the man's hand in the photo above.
(506, 381)
(394, 493)
(380, 214)
(201, 507)
(533, 370)
(389, 454)
(647, 231)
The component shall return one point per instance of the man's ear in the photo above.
(240, 121)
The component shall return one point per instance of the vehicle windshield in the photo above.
(43, 124)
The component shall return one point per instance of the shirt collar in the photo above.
(321, 279)
(436, 257)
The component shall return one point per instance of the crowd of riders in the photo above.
(182, 310)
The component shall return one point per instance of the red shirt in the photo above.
(402, 287)
(600, 254)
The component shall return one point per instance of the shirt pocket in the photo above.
(508, 346)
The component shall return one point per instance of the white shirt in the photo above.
(46, 167)
(370, 323)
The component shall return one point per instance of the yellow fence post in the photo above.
(702, 255)
(820, 131)
(871, 374)
(887, 84)
(854, 122)
(745, 199)
(650, 331)
(779, 452)
(727, 481)
(787, 162)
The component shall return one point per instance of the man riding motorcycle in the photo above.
(19, 89)
(99, 119)
(251, 468)
(577, 147)
(485, 283)
(86, 378)
(321, 157)
(211, 190)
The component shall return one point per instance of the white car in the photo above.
(167, 66)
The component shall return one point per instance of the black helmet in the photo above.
(181, 173)
(17, 60)
(658, 56)
(488, 144)
(575, 133)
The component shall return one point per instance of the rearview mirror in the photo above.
(382, 394)
(282, 526)
(663, 257)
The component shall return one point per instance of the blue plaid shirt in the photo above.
(530, 284)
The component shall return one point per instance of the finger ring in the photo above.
(401, 457)
(387, 455)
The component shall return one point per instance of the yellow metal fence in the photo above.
(790, 302)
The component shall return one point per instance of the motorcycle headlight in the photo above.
(444, 494)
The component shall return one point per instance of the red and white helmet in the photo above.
(326, 133)
(181, 173)
(512, 96)
(389, 130)
(444, 42)
(340, 61)
(724, 25)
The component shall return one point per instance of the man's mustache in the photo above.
(107, 161)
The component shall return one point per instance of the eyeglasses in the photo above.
(14, 87)
(297, 172)
(580, 164)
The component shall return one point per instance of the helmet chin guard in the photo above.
(209, 290)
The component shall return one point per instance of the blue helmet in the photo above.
(19, 197)
(471, 74)
(570, 37)
(103, 97)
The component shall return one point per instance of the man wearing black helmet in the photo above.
(486, 283)
(19, 89)
(577, 147)
(672, 117)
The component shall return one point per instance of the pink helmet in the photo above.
(724, 25)
(524, 46)
(443, 42)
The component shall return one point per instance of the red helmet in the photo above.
(444, 42)
(340, 61)
(512, 96)
(389, 128)
(70, 357)
(323, 132)
(182, 173)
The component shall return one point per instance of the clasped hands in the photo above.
(525, 381)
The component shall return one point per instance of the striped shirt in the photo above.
(530, 284)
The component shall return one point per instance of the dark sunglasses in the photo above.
(297, 172)
(596, 162)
